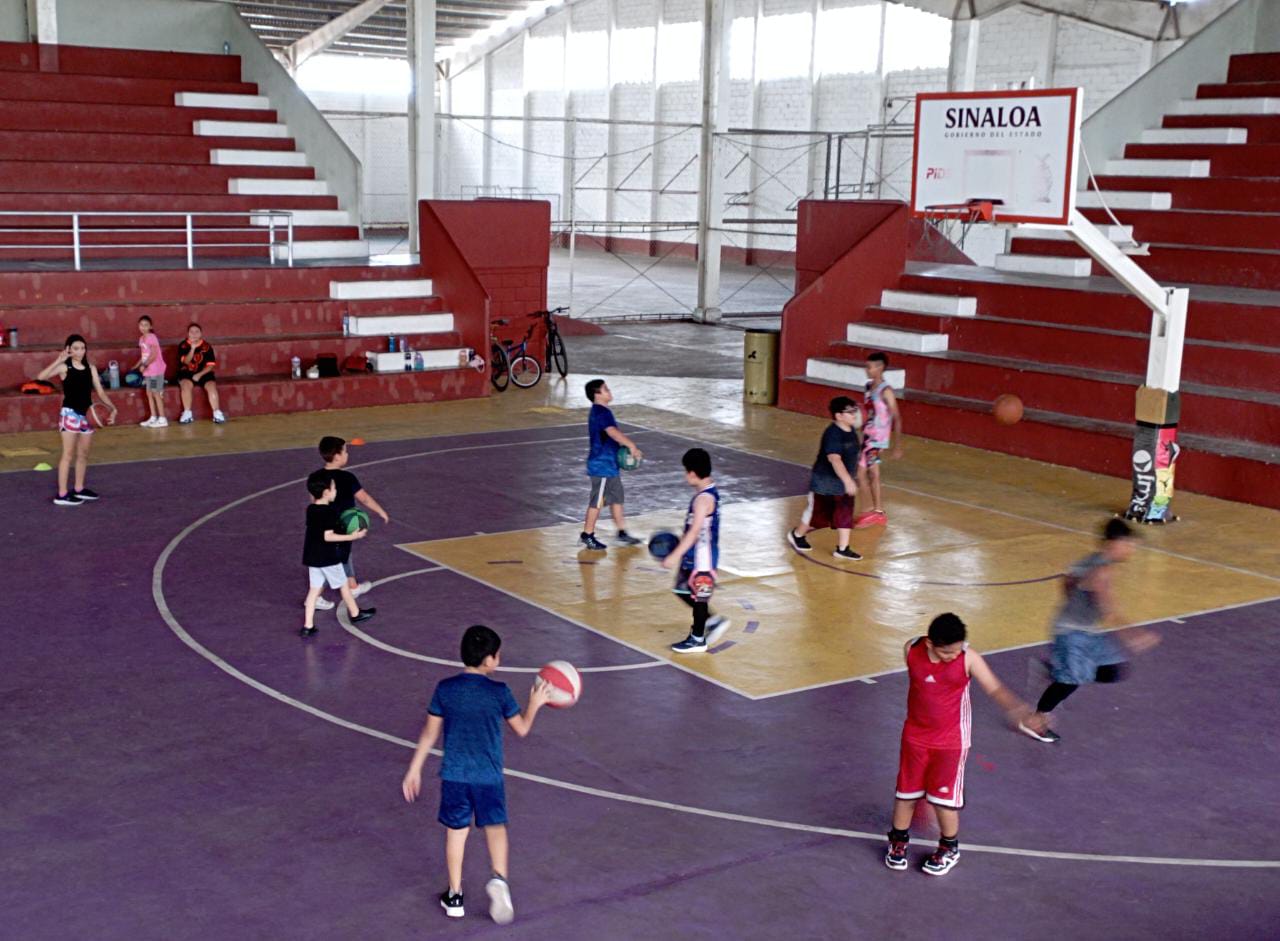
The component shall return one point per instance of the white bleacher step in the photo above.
(939, 305)
(303, 217)
(891, 338)
(1195, 135)
(381, 325)
(258, 158)
(321, 248)
(1228, 106)
(378, 290)
(1123, 199)
(851, 374)
(1182, 169)
(408, 362)
(1116, 233)
(253, 186)
(1045, 264)
(239, 129)
(196, 99)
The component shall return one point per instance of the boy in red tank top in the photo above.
(935, 737)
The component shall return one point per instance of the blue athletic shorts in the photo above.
(461, 802)
(1075, 656)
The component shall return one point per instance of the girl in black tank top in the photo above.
(79, 383)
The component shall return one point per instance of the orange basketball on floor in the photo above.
(565, 683)
(1007, 409)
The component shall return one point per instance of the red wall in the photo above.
(507, 246)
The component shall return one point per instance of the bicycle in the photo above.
(556, 352)
(511, 362)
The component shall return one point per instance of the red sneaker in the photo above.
(874, 518)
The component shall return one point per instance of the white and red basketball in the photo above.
(565, 683)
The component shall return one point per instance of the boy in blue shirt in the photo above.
(470, 709)
(602, 467)
(698, 554)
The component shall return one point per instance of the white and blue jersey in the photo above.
(705, 554)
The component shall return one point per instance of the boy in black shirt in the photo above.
(831, 484)
(321, 550)
(333, 451)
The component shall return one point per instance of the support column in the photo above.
(42, 21)
(963, 72)
(717, 20)
(420, 36)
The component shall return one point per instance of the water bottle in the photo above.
(346, 325)
(418, 363)
(408, 362)
(13, 338)
(391, 344)
(296, 363)
(113, 374)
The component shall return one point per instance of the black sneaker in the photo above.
(589, 541)
(67, 499)
(500, 908)
(895, 856)
(452, 904)
(799, 543)
(364, 615)
(624, 538)
(308, 631)
(1048, 736)
(847, 554)
(86, 494)
(942, 860)
(691, 644)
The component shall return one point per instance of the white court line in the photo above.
(162, 605)
(974, 506)
(157, 592)
(351, 629)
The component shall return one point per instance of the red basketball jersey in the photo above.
(938, 713)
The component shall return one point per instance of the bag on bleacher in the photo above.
(327, 363)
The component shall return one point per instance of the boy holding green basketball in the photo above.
(606, 441)
(333, 451)
(321, 551)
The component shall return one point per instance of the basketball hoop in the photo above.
(952, 221)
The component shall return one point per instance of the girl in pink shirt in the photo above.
(151, 364)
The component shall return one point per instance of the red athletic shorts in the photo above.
(826, 511)
(936, 774)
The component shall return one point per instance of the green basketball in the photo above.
(627, 460)
(353, 520)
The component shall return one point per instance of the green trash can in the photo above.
(760, 366)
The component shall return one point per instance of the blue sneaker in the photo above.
(690, 644)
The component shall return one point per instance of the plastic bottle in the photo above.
(13, 338)
(408, 362)
(391, 344)
(346, 325)
(113, 374)
(418, 363)
(296, 371)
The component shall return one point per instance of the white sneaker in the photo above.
(186, 418)
(218, 417)
(324, 604)
(149, 423)
(161, 422)
(500, 907)
(716, 626)
(361, 589)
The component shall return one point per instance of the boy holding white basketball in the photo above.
(469, 708)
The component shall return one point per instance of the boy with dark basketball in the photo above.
(698, 553)
(882, 431)
(935, 737)
(831, 483)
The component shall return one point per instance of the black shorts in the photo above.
(190, 377)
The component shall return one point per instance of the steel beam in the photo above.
(331, 32)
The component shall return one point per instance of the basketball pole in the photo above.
(1157, 406)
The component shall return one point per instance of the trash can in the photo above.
(760, 366)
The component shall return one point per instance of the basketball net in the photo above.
(952, 221)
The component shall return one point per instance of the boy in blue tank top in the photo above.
(697, 555)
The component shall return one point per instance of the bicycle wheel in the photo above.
(499, 367)
(525, 371)
(557, 354)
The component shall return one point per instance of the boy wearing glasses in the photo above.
(831, 484)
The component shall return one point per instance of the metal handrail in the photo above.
(277, 220)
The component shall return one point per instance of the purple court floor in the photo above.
(178, 764)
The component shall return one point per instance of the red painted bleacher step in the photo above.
(1255, 67)
(1197, 227)
(74, 146)
(99, 89)
(1238, 267)
(1262, 128)
(1220, 193)
(128, 63)
(1242, 160)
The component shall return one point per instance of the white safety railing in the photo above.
(278, 222)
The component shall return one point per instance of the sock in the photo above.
(951, 843)
(899, 836)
